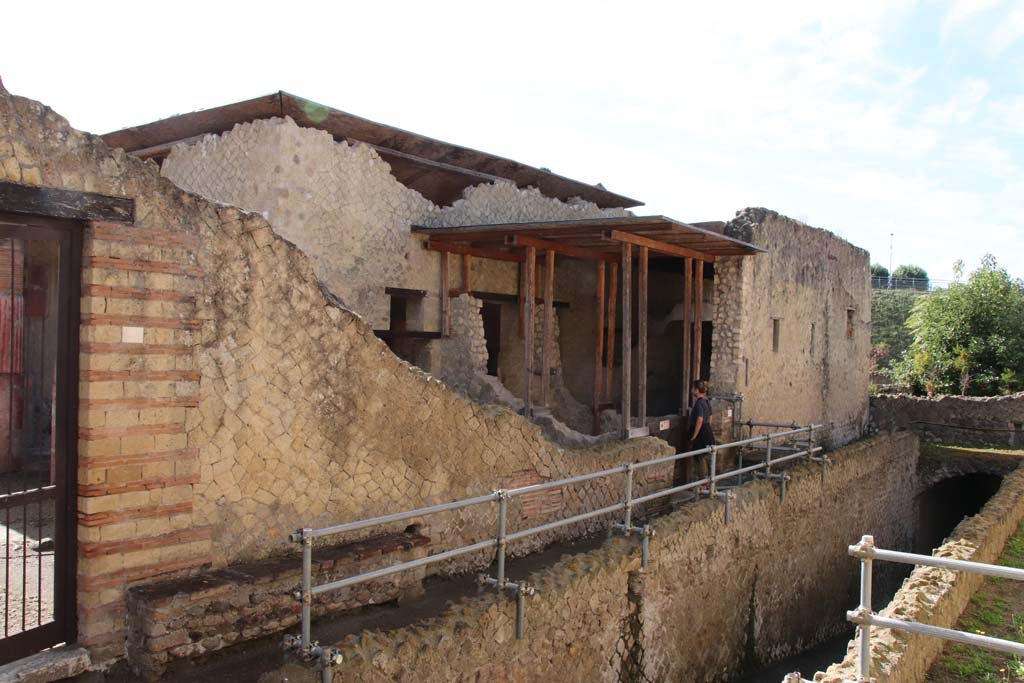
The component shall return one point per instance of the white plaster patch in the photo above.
(132, 335)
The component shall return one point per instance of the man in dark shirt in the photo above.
(701, 435)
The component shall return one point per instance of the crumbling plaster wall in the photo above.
(256, 402)
(340, 204)
(809, 279)
(715, 599)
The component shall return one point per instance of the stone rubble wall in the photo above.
(716, 597)
(340, 204)
(809, 279)
(936, 596)
(194, 616)
(256, 402)
(966, 420)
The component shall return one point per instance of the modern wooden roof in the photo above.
(438, 170)
(598, 238)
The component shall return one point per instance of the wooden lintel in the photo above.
(493, 254)
(558, 248)
(467, 268)
(657, 245)
(53, 202)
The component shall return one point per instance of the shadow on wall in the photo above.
(947, 503)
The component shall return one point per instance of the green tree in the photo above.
(913, 277)
(969, 338)
(890, 336)
(878, 270)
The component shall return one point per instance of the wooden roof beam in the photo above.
(657, 245)
(558, 248)
(492, 254)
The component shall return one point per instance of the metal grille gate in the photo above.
(38, 345)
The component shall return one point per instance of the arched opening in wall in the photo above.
(944, 505)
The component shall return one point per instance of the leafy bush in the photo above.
(969, 338)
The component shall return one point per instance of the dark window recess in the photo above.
(849, 323)
(776, 333)
(812, 338)
(491, 313)
(399, 308)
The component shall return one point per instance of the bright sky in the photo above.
(866, 118)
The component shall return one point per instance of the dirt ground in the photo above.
(996, 610)
(26, 576)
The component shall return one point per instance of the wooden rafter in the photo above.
(657, 245)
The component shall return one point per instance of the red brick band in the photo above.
(115, 516)
(144, 266)
(201, 533)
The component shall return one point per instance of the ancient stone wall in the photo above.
(340, 204)
(255, 402)
(715, 598)
(816, 286)
(967, 420)
(937, 596)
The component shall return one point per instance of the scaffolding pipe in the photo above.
(520, 612)
(860, 550)
(502, 513)
(307, 585)
(865, 607)
(713, 488)
(305, 536)
(628, 520)
(987, 642)
(402, 566)
(396, 517)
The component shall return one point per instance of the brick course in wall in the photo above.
(250, 401)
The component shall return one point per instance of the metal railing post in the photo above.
(520, 611)
(502, 495)
(645, 546)
(768, 455)
(713, 486)
(628, 521)
(866, 543)
(307, 585)
(810, 443)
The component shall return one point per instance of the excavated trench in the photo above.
(938, 510)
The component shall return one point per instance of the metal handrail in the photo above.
(864, 617)
(305, 536)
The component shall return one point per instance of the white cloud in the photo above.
(962, 11)
(1008, 30)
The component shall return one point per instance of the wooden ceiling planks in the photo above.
(438, 170)
(598, 238)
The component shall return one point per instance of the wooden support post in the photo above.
(522, 298)
(684, 401)
(599, 352)
(613, 292)
(446, 307)
(698, 324)
(528, 294)
(627, 339)
(641, 313)
(467, 284)
(549, 324)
